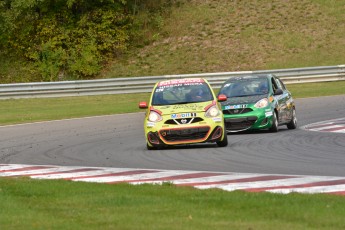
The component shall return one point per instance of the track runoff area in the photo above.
(273, 183)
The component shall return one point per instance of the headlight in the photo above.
(262, 103)
(213, 111)
(154, 116)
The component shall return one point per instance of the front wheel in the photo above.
(274, 127)
(223, 142)
(293, 123)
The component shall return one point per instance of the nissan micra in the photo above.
(183, 111)
(257, 102)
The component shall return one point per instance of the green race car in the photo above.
(257, 102)
(183, 111)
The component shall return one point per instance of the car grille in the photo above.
(237, 111)
(237, 124)
(182, 121)
(185, 134)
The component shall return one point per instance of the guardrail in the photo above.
(145, 84)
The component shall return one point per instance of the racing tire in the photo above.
(274, 127)
(224, 142)
(293, 123)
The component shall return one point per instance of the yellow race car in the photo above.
(183, 111)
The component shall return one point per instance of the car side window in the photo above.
(274, 85)
(282, 84)
(279, 85)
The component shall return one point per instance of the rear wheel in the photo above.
(223, 142)
(274, 127)
(293, 123)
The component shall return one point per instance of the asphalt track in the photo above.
(117, 141)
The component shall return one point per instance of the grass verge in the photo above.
(224, 36)
(15, 111)
(57, 204)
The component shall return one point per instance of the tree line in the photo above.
(74, 39)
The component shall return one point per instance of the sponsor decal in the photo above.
(150, 124)
(182, 115)
(188, 106)
(217, 119)
(169, 84)
(268, 114)
(236, 106)
(181, 81)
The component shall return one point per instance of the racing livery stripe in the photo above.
(202, 180)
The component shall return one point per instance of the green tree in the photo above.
(65, 38)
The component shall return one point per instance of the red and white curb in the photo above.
(273, 183)
(335, 126)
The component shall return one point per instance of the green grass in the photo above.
(317, 89)
(57, 204)
(220, 36)
(14, 111)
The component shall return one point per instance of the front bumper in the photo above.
(185, 135)
(257, 119)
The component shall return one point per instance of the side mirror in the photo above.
(222, 97)
(278, 92)
(143, 105)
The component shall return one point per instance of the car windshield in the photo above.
(181, 92)
(242, 87)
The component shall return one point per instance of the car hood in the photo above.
(244, 100)
(183, 108)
